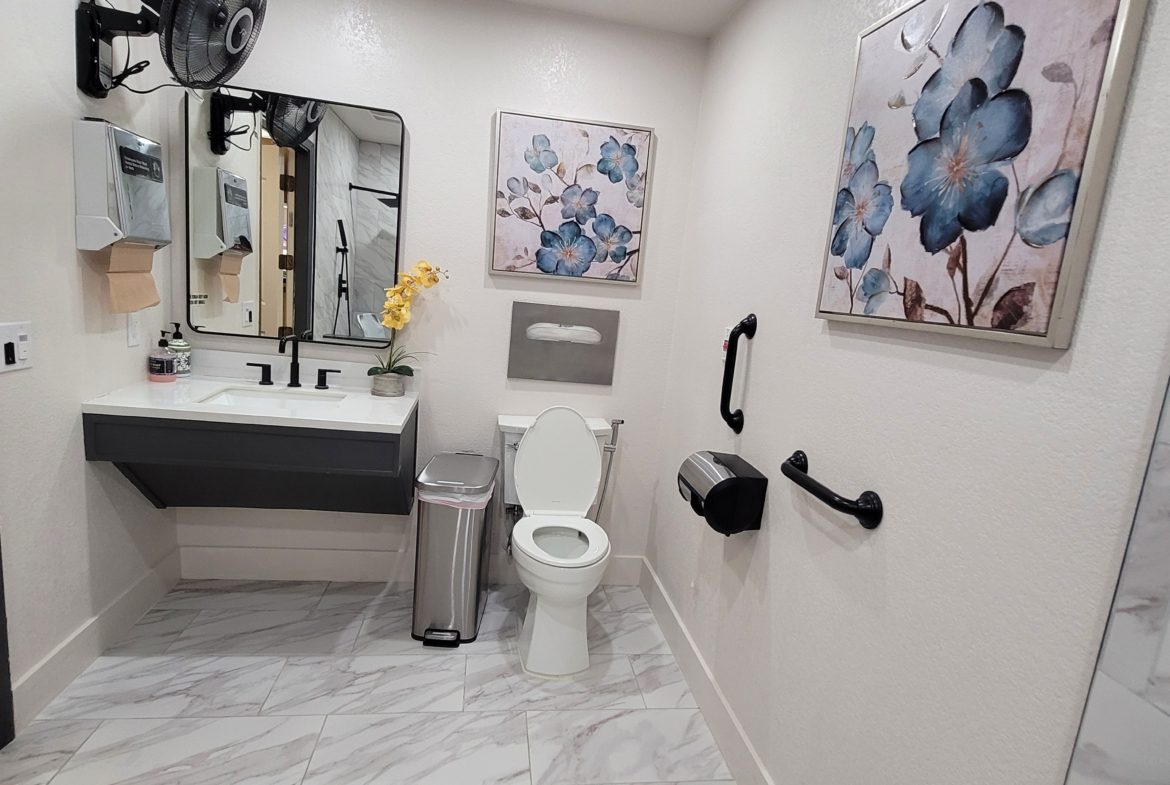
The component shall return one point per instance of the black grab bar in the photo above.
(867, 509)
(746, 328)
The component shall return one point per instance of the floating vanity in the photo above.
(208, 442)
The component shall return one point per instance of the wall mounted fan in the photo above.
(289, 120)
(203, 42)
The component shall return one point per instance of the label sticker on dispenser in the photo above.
(139, 164)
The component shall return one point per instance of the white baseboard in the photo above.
(296, 564)
(33, 690)
(737, 749)
(319, 564)
(621, 570)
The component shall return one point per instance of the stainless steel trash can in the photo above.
(455, 494)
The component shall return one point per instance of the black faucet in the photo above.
(294, 370)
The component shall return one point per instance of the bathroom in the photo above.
(959, 641)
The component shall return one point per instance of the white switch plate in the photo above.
(16, 345)
(247, 313)
(133, 329)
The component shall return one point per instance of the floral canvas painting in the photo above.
(964, 162)
(569, 198)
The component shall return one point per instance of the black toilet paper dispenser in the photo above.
(725, 490)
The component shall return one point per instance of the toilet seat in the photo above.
(549, 539)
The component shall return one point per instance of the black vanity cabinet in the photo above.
(197, 463)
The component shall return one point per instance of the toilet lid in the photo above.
(558, 465)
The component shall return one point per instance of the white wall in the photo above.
(956, 643)
(447, 67)
(76, 536)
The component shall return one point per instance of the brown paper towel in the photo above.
(132, 286)
(230, 265)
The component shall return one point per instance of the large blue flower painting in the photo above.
(569, 199)
(962, 166)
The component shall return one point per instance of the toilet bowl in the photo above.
(560, 555)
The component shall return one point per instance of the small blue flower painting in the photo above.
(963, 165)
(570, 197)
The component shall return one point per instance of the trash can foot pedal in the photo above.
(448, 639)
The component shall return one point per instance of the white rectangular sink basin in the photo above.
(253, 399)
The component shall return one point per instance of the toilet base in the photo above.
(553, 640)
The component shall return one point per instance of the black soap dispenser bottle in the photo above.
(182, 349)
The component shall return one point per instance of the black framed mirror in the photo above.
(294, 213)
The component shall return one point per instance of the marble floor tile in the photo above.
(499, 683)
(1123, 739)
(422, 749)
(637, 745)
(389, 633)
(369, 598)
(625, 633)
(626, 599)
(233, 751)
(661, 681)
(235, 595)
(41, 750)
(368, 685)
(149, 687)
(154, 632)
(269, 632)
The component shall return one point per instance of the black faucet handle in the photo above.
(323, 377)
(265, 373)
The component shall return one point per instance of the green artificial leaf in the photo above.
(375, 371)
(402, 370)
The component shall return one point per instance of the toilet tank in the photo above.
(513, 428)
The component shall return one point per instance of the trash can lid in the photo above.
(458, 473)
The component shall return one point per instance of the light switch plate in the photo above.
(247, 313)
(15, 346)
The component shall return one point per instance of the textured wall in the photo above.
(75, 536)
(447, 67)
(956, 644)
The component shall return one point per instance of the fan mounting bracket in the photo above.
(97, 27)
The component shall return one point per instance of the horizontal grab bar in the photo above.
(867, 509)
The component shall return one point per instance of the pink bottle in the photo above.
(162, 364)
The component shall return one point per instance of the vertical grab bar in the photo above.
(746, 328)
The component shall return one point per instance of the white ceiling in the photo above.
(383, 128)
(690, 17)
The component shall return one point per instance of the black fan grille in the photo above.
(195, 43)
(292, 121)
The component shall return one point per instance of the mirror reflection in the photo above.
(293, 210)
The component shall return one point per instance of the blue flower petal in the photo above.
(550, 239)
(983, 198)
(863, 180)
(569, 232)
(1045, 211)
(863, 144)
(619, 254)
(940, 227)
(873, 283)
(540, 142)
(881, 207)
(515, 186)
(958, 115)
(589, 197)
(860, 245)
(845, 206)
(840, 242)
(875, 303)
(604, 226)
(546, 260)
(918, 191)
(549, 159)
(1001, 129)
(622, 235)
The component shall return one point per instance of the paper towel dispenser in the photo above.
(121, 193)
(724, 489)
(221, 217)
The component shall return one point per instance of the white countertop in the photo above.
(339, 409)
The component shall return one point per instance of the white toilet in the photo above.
(560, 555)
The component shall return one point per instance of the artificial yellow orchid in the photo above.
(396, 313)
